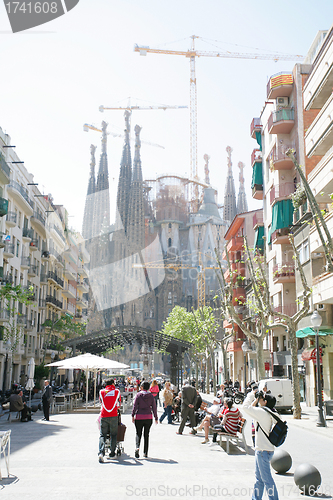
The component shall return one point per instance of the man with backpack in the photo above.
(259, 406)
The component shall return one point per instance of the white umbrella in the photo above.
(31, 373)
(88, 362)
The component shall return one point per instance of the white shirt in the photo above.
(265, 420)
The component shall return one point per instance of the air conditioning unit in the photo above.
(282, 102)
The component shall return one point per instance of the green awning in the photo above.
(257, 175)
(282, 216)
(259, 139)
(258, 238)
(306, 332)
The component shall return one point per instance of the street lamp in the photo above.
(316, 320)
(245, 348)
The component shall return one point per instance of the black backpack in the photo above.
(278, 434)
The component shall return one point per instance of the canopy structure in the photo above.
(309, 331)
(101, 341)
(89, 363)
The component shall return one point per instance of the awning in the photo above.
(306, 332)
(258, 238)
(310, 354)
(282, 216)
(257, 179)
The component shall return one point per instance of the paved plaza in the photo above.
(59, 460)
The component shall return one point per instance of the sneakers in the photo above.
(205, 441)
(101, 458)
(137, 453)
(145, 455)
(193, 431)
(112, 455)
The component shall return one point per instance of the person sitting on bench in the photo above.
(230, 417)
(17, 404)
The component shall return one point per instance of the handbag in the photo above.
(214, 421)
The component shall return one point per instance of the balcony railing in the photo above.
(280, 85)
(258, 219)
(285, 270)
(256, 156)
(34, 244)
(11, 218)
(255, 127)
(23, 192)
(6, 278)
(54, 301)
(9, 248)
(53, 276)
(3, 206)
(278, 158)
(39, 217)
(281, 191)
(27, 232)
(281, 121)
(289, 309)
(42, 303)
(25, 261)
(58, 231)
(4, 167)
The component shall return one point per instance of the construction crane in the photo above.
(87, 127)
(191, 54)
(176, 266)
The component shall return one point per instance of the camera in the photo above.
(259, 394)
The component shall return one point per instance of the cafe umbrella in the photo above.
(89, 363)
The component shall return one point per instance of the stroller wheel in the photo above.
(118, 453)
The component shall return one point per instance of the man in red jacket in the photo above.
(110, 399)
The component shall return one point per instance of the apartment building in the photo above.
(318, 138)
(38, 252)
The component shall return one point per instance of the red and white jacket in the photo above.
(110, 400)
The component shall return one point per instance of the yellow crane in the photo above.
(191, 54)
(176, 266)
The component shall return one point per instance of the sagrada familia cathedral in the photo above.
(151, 258)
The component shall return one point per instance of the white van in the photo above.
(281, 389)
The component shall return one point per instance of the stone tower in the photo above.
(242, 201)
(125, 177)
(102, 194)
(135, 220)
(229, 206)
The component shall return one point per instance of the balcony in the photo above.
(288, 309)
(30, 324)
(281, 121)
(321, 178)
(3, 206)
(81, 271)
(21, 319)
(83, 287)
(43, 279)
(33, 271)
(11, 219)
(69, 273)
(280, 85)
(284, 273)
(25, 262)
(82, 303)
(318, 87)
(278, 158)
(258, 219)
(33, 245)
(69, 291)
(319, 136)
(257, 181)
(59, 232)
(256, 157)
(315, 241)
(255, 128)
(27, 234)
(280, 191)
(9, 250)
(52, 276)
(20, 194)
(55, 302)
(282, 220)
(6, 278)
(236, 243)
(4, 170)
(38, 221)
(45, 255)
(281, 236)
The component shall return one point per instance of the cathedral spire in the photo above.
(207, 158)
(135, 225)
(242, 201)
(125, 175)
(87, 225)
(229, 208)
(102, 204)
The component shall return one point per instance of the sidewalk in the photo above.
(59, 459)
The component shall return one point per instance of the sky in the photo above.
(54, 78)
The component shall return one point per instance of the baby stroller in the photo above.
(120, 437)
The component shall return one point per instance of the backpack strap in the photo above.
(272, 414)
(113, 407)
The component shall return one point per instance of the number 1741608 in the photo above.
(31, 7)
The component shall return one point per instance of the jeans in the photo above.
(264, 477)
(109, 426)
(143, 425)
(167, 413)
